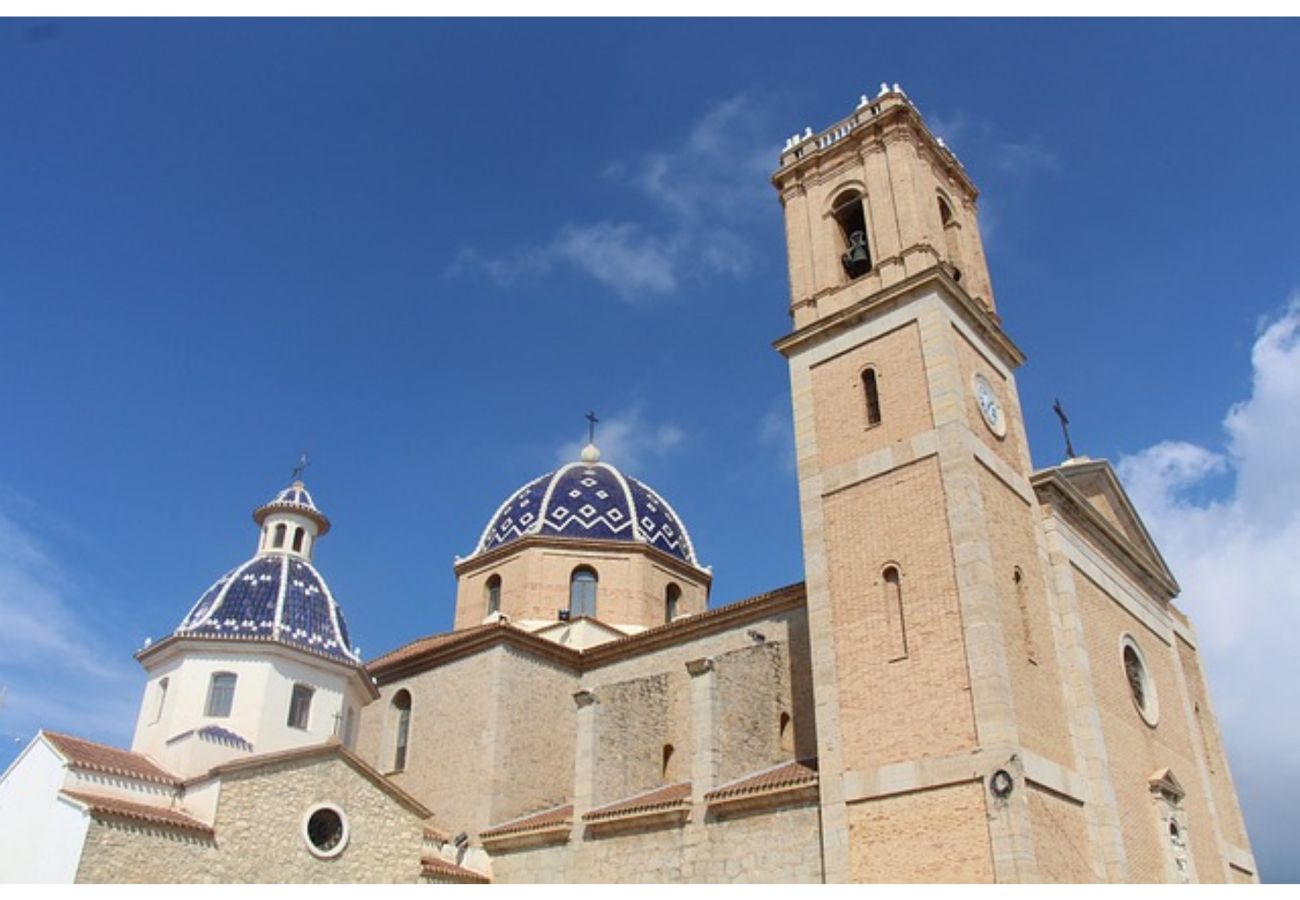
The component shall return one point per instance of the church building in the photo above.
(982, 676)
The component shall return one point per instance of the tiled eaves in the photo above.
(173, 639)
(102, 806)
(331, 747)
(556, 817)
(777, 779)
(432, 866)
(96, 757)
(717, 619)
(427, 652)
(665, 799)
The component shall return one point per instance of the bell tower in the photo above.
(935, 675)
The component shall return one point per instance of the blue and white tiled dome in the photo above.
(277, 595)
(273, 596)
(296, 499)
(589, 499)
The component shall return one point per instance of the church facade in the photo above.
(982, 677)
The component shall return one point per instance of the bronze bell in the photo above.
(857, 261)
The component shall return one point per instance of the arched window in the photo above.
(786, 733)
(162, 697)
(280, 531)
(849, 214)
(494, 594)
(298, 535)
(893, 590)
(402, 714)
(1022, 600)
(582, 592)
(221, 695)
(1136, 675)
(952, 240)
(668, 770)
(872, 393)
(300, 706)
(671, 596)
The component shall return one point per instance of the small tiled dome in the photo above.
(589, 499)
(274, 596)
(295, 498)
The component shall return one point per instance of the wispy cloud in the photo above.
(628, 440)
(55, 670)
(1025, 157)
(698, 192)
(1235, 557)
(776, 433)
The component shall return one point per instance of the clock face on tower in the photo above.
(989, 406)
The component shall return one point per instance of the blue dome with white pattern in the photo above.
(277, 595)
(589, 500)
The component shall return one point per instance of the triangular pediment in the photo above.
(1094, 495)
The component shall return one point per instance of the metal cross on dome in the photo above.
(298, 469)
(591, 427)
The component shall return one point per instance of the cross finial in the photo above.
(1065, 428)
(591, 427)
(302, 464)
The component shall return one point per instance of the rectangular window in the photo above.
(221, 695)
(300, 706)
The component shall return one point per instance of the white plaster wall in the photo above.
(41, 835)
(259, 714)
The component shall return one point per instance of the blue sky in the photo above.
(422, 250)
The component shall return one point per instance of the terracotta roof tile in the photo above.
(559, 815)
(651, 801)
(440, 868)
(433, 833)
(140, 812)
(796, 773)
(685, 622)
(112, 760)
(432, 642)
(593, 656)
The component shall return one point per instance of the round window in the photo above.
(325, 829)
(1140, 685)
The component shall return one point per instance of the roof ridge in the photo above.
(157, 774)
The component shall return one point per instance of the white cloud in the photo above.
(776, 432)
(55, 670)
(628, 441)
(716, 174)
(1236, 558)
(1025, 157)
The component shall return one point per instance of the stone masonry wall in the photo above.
(259, 834)
(753, 692)
(780, 846)
(634, 720)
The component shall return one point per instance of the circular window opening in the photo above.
(1140, 686)
(326, 831)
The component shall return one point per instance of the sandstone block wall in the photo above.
(781, 846)
(259, 836)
